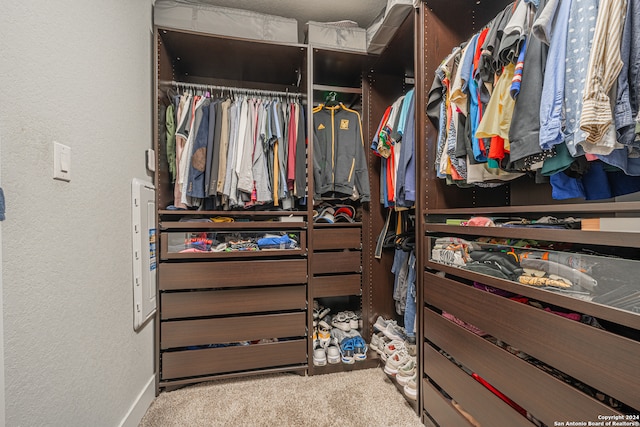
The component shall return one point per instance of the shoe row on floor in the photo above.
(397, 353)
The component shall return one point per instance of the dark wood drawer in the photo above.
(546, 397)
(183, 333)
(337, 238)
(191, 363)
(487, 408)
(176, 305)
(229, 274)
(336, 286)
(336, 262)
(601, 359)
(440, 408)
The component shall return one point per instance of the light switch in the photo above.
(61, 162)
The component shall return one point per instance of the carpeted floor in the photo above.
(364, 398)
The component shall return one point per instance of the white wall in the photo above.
(77, 72)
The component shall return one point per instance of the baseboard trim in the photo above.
(141, 404)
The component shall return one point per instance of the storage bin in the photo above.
(342, 35)
(188, 15)
(380, 33)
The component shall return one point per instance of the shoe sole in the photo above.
(413, 395)
(390, 371)
(333, 361)
(319, 362)
(403, 379)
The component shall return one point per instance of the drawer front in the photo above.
(439, 408)
(546, 397)
(183, 333)
(579, 350)
(337, 238)
(176, 305)
(336, 262)
(487, 408)
(337, 286)
(229, 274)
(191, 363)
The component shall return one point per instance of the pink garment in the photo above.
(464, 324)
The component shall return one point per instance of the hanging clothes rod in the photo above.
(240, 90)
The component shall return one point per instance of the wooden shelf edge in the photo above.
(195, 380)
(607, 238)
(549, 209)
(240, 225)
(162, 212)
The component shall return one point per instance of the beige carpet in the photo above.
(364, 398)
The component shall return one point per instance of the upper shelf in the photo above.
(199, 56)
(629, 240)
(602, 207)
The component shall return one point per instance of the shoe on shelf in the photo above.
(395, 361)
(411, 388)
(319, 311)
(395, 332)
(360, 348)
(378, 341)
(341, 321)
(381, 324)
(406, 372)
(353, 319)
(333, 351)
(359, 319)
(342, 335)
(319, 355)
(324, 333)
(347, 351)
(390, 348)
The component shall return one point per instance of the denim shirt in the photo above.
(554, 80)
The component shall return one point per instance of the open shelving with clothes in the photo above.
(570, 348)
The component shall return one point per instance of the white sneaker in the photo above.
(353, 319)
(395, 361)
(406, 372)
(378, 341)
(319, 355)
(381, 324)
(390, 348)
(411, 389)
(341, 321)
(333, 352)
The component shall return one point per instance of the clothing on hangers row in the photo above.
(547, 87)
(394, 142)
(235, 152)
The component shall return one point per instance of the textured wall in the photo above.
(77, 72)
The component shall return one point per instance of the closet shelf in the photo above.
(337, 225)
(236, 254)
(587, 307)
(194, 213)
(591, 208)
(241, 225)
(630, 240)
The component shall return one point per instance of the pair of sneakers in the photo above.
(390, 329)
(353, 350)
(330, 352)
(346, 321)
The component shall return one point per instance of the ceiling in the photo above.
(361, 11)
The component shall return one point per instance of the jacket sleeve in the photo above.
(361, 171)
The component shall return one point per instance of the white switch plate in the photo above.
(61, 162)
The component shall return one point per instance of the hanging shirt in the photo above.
(604, 66)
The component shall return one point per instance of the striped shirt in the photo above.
(604, 66)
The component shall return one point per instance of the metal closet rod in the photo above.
(186, 85)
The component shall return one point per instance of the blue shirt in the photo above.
(554, 81)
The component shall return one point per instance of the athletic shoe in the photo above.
(324, 333)
(341, 335)
(319, 355)
(390, 348)
(378, 341)
(395, 361)
(347, 351)
(353, 319)
(360, 348)
(395, 332)
(341, 321)
(411, 389)
(381, 324)
(333, 352)
(406, 372)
